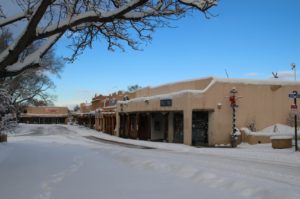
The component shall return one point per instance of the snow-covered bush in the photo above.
(291, 119)
(252, 125)
(5, 101)
(7, 115)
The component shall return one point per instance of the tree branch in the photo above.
(89, 17)
(86, 21)
(13, 19)
(10, 55)
(202, 5)
(32, 60)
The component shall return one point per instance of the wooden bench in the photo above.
(281, 142)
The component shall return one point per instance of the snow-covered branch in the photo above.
(13, 19)
(202, 5)
(11, 54)
(90, 17)
(116, 21)
(33, 60)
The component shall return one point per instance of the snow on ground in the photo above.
(58, 161)
(274, 130)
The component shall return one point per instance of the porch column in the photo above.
(187, 126)
(170, 127)
(137, 120)
(104, 124)
(96, 123)
(117, 127)
(128, 125)
(149, 120)
(112, 124)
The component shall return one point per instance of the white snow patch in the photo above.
(274, 130)
(56, 161)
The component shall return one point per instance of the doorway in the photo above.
(200, 128)
(178, 127)
(144, 126)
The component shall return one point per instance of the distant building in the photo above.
(105, 108)
(85, 116)
(44, 115)
(101, 112)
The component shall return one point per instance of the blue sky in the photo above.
(248, 38)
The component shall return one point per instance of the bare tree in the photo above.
(118, 22)
(30, 87)
(133, 87)
(76, 108)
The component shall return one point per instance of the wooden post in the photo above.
(128, 125)
(137, 120)
(295, 118)
(187, 127)
(170, 127)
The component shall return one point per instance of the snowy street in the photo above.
(62, 161)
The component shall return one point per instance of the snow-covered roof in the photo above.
(58, 107)
(109, 107)
(257, 82)
(43, 115)
(282, 137)
(169, 95)
(108, 113)
(234, 80)
(82, 114)
(213, 81)
(86, 104)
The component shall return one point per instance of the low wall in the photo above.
(254, 139)
(281, 142)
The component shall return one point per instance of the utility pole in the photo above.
(296, 136)
(294, 109)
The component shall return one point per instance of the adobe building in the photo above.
(85, 116)
(105, 110)
(44, 115)
(199, 112)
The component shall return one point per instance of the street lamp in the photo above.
(293, 65)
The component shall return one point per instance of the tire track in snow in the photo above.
(217, 173)
(48, 186)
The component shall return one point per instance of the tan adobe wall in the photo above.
(254, 139)
(199, 84)
(97, 102)
(120, 95)
(131, 95)
(85, 108)
(101, 101)
(47, 110)
(143, 92)
(264, 103)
